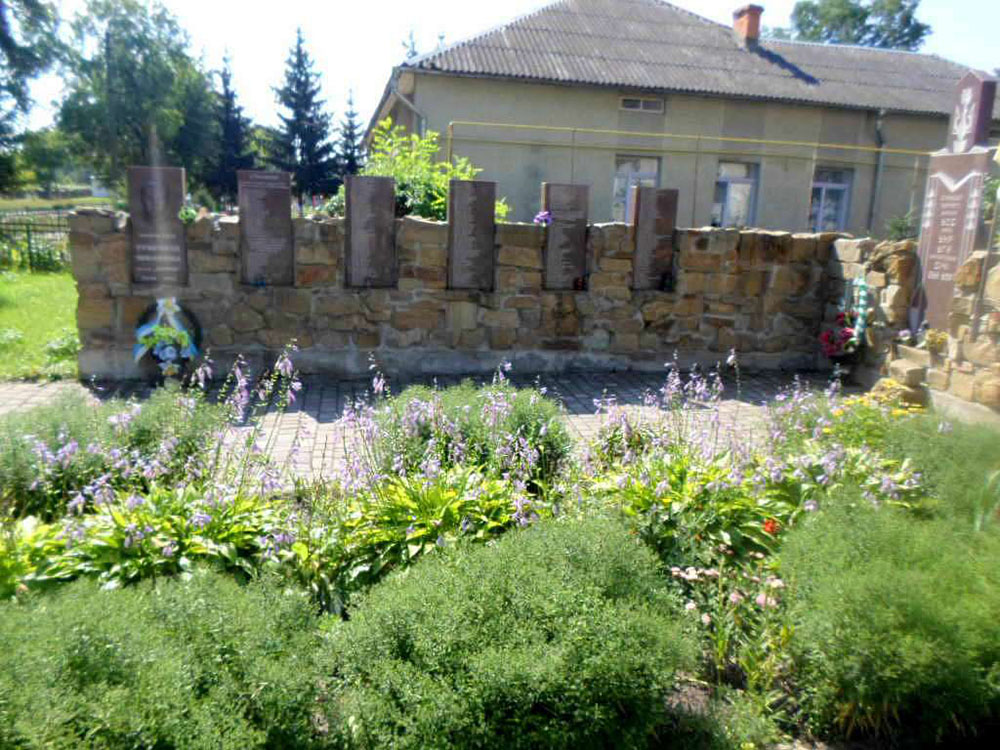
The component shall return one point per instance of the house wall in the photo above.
(519, 159)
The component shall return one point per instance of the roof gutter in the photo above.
(879, 168)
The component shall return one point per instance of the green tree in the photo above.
(234, 150)
(349, 146)
(890, 24)
(135, 95)
(47, 153)
(303, 146)
(28, 46)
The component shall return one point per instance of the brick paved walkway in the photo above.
(314, 419)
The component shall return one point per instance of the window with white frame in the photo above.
(629, 171)
(831, 194)
(642, 104)
(735, 199)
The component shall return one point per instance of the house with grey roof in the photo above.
(751, 131)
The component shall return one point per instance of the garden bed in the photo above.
(467, 579)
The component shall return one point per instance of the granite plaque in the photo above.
(566, 248)
(951, 224)
(266, 227)
(371, 231)
(155, 197)
(654, 216)
(471, 234)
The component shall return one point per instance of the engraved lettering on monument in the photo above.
(566, 249)
(951, 222)
(371, 231)
(654, 216)
(155, 197)
(471, 234)
(266, 227)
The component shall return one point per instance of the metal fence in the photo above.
(34, 240)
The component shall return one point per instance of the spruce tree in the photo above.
(234, 141)
(349, 153)
(303, 146)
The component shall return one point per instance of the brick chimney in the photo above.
(746, 24)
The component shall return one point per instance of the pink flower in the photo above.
(706, 619)
(690, 606)
(736, 597)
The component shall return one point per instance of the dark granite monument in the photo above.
(653, 219)
(566, 248)
(471, 234)
(951, 225)
(155, 197)
(371, 237)
(266, 227)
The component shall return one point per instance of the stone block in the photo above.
(988, 392)
(462, 316)
(499, 318)
(804, 247)
(907, 373)
(213, 284)
(340, 304)
(333, 339)
(970, 273)
(520, 235)
(992, 288)
(368, 339)
(297, 301)
(700, 261)
(318, 253)
(315, 275)
(624, 342)
(876, 279)
(92, 313)
(657, 309)
(963, 385)
(417, 318)
(789, 280)
(616, 265)
(723, 283)
(473, 339)
(984, 351)
(692, 282)
(402, 339)
(852, 251)
(689, 305)
(433, 257)
(938, 379)
(208, 262)
(424, 231)
(521, 302)
(130, 309)
(521, 257)
(503, 338)
(244, 318)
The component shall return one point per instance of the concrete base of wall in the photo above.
(954, 407)
(118, 365)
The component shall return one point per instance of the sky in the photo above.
(356, 44)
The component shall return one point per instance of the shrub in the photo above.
(421, 182)
(404, 518)
(895, 625)
(498, 428)
(51, 453)
(203, 663)
(560, 635)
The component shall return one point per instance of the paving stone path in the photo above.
(314, 420)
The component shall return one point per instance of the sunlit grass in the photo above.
(37, 325)
(35, 203)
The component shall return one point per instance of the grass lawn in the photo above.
(37, 325)
(27, 204)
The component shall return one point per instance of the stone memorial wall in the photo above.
(762, 293)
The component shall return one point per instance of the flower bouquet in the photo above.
(843, 344)
(169, 335)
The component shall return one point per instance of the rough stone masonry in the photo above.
(764, 294)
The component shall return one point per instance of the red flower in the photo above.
(771, 526)
(840, 318)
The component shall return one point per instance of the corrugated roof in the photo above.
(648, 44)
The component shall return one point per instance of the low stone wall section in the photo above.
(764, 294)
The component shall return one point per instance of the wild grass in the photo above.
(38, 336)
